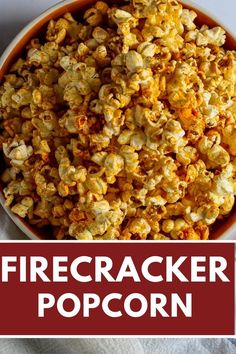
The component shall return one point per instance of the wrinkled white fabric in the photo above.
(117, 346)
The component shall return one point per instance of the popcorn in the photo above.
(122, 125)
(96, 184)
(84, 235)
(37, 57)
(100, 35)
(187, 18)
(23, 207)
(113, 164)
(120, 16)
(140, 226)
(100, 207)
(133, 61)
(147, 49)
(22, 97)
(215, 153)
(71, 174)
(17, 152)
(93, 16)
(168, 225)
(215, 36)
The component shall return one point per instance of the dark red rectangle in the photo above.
(212, 302)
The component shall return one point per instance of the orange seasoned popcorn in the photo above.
(122, 125)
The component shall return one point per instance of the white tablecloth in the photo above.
(117, 346)
(14, 14)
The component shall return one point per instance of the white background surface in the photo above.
(14, 14)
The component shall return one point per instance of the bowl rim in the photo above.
(22, 225)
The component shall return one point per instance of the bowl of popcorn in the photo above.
(117, 122)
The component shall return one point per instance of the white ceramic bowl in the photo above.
(224, 231)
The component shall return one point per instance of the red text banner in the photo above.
(116, 288)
